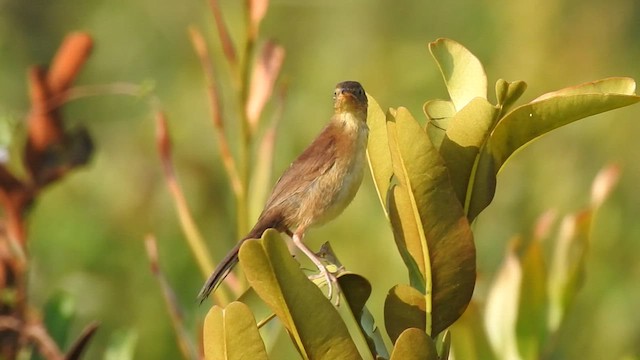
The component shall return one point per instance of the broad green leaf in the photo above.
(356, 290)
(414, 344)
(527, 122)
(471, 338)
(378, 151)
(313, 323)
(404, 308)
(409, 237)
(612, 85)
(463, 73)
(231, 333)
(259, 309)
(531, 325)
(439, 114)
(468, 130)
(429, 222)
(271, 330)
(508, 93)
(438, 110)
(407, 230)
(501, 309)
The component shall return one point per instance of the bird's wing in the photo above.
(316, 160)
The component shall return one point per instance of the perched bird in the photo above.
(317, 186)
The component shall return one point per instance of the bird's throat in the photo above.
(352, 121)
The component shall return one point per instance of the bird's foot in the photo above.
(324, 272)
(333, 288)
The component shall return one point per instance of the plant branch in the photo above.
(193, 235)
(238, 182)
(177, 320)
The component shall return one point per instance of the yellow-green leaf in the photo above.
(439, 114)
(531, 325)
(414, 344)
(468, 130)
(463, 73)
(404, 308)
(378, 151)
(429, 221)
(571, 247)
(311, 320)
(356, 290)
(501, 311)
(471, 338)
(527, 122)
(508, 92)
(612, 85)
(409, 237)
(231, 334)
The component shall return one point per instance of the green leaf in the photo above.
(467, 133)
(463, 73)
(471, 339)
(439, 114)
(356, 290)
(231, 333)
(527, 122)
(414, 344)
(404, 308)
(378, 151)
(567, 267)
(501, 311)
(508, 93)
(311, 320)
(259, 309)
(570, 250)
(612, 85)
(531, 325)
(409, 238)
(429, 223)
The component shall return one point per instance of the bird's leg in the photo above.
(331, 280)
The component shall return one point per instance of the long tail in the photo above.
(266, 220)
(221, 272)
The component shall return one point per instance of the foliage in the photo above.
(536, 286)
(432, 182)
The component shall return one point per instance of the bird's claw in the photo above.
(332, 283)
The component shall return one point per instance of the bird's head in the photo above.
(349, 96)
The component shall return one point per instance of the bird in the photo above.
(317, 186)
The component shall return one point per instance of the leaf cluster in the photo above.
(433, 181)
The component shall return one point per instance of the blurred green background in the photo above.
(86, 233)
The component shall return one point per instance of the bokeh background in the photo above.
(86, 233)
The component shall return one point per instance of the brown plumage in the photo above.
(318, 185)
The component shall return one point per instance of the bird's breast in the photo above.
(345, 177)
